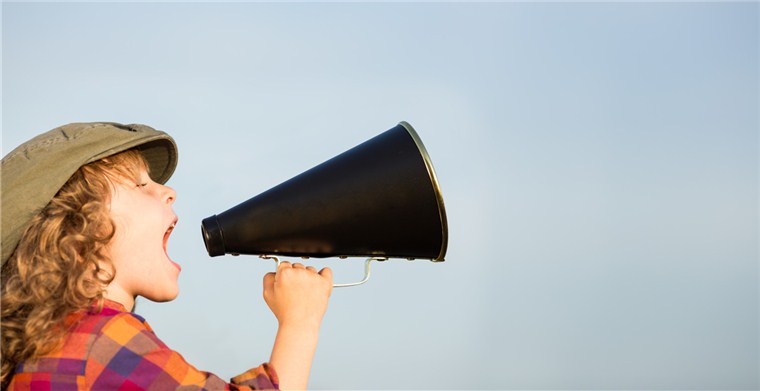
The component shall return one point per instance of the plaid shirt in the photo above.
(117, 350)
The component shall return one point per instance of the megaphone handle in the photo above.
(366, 270)
(366, 276)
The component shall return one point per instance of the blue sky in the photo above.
(599, 164)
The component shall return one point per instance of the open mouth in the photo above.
(168, 233)
(166, 241)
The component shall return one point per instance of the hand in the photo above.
(298, 295)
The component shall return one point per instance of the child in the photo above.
(85, 222)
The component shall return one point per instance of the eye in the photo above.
(142, 184)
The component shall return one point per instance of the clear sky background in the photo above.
(599, 164)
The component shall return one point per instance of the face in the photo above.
(144, 219)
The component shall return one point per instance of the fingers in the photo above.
(286, 264)
(327, 273)
(270, 278)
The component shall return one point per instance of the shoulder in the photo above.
(106, 320)
(127, 352)
(125, 330)
(125, 322)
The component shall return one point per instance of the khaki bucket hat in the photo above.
(34, 172)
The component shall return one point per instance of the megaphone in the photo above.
(380, 199)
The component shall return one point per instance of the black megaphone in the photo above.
(380, 199)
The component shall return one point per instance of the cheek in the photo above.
(123, 238)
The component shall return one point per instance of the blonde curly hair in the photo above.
(61, 264)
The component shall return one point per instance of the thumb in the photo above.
(268, 283)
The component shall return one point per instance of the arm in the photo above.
(298, 297)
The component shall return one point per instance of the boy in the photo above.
(85, 222)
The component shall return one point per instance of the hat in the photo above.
(33, 173)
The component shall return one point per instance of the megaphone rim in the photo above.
(436, 188)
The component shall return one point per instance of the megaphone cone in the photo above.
(378, 199)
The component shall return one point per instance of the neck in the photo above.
(120, 296)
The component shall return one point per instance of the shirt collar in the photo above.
(115, 305)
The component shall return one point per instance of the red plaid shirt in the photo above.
(117, 350)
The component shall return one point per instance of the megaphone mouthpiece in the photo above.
(212, 236)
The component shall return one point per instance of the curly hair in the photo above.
(61, 264)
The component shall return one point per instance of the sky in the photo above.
(598, 162)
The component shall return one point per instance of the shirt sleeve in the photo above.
(127, 354)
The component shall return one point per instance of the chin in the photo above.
(171, 297)
(164, 297)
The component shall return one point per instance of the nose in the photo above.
(169, 194)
